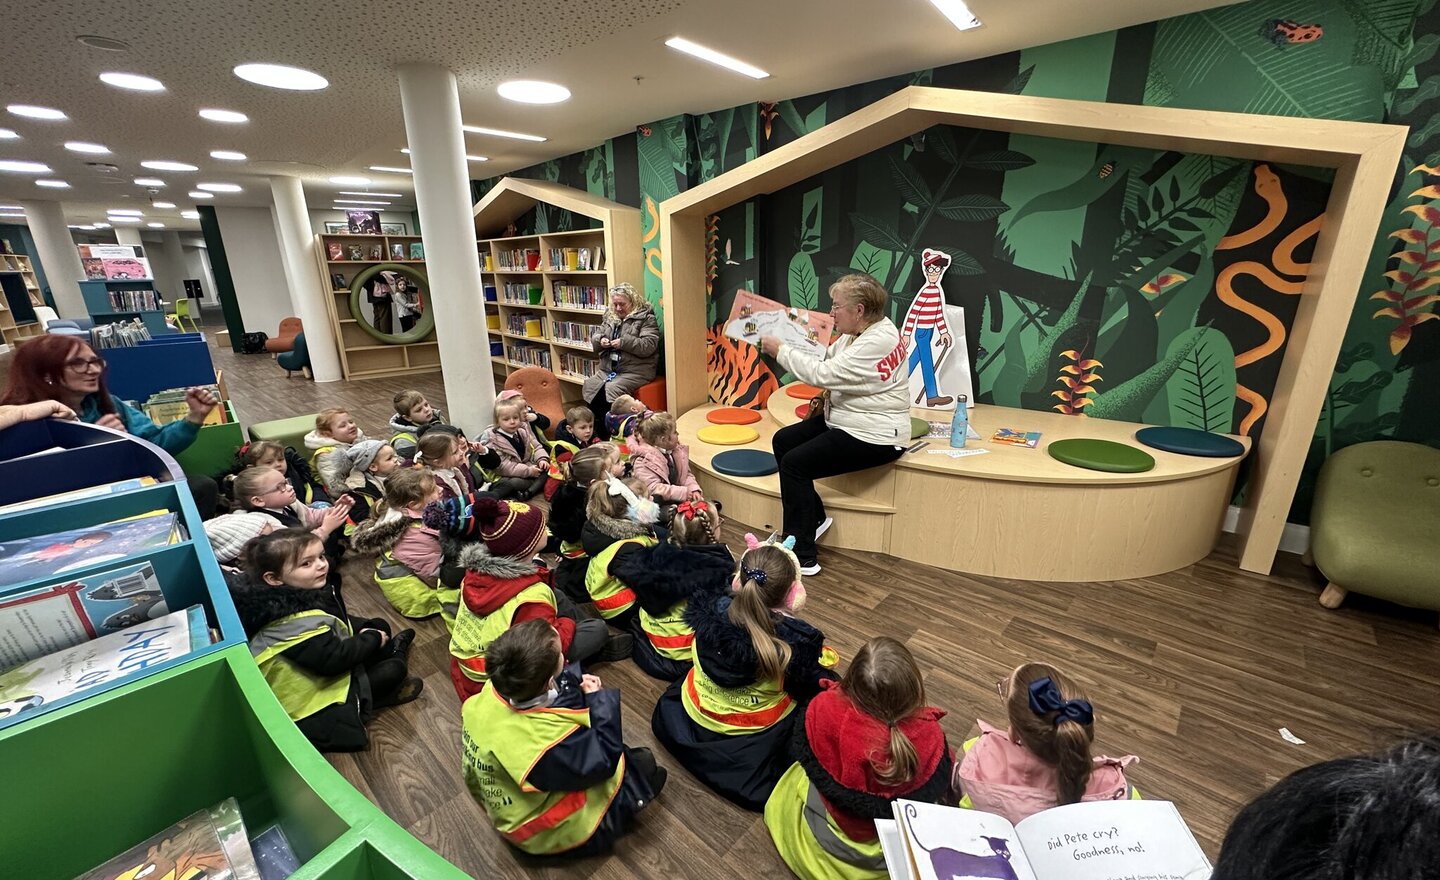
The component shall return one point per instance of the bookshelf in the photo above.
(124, 299)
(540, 311)
(362, 356)
(203, 727)
(18, 323)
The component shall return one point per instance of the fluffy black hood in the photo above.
(665, 574)
(727, 655)
(259, 605)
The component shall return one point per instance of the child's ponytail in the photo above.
(766, 574)
(1055, 720)
(884, 682)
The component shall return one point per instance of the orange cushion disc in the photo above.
(802, 410)
(802, 391)
(732, 415)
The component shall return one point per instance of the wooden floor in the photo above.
(1195, 671)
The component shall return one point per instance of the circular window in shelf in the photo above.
(392, 296)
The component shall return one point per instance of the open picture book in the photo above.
(1098, 840)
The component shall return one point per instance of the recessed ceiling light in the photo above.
(162, 205)
(149, 181)
(12, 216)
(390, 169)
(24, 167)
(101, 225)
(11, 208)
(132, 81)
(958, 13)
(705, 53)
(167, 165)
(30, 111)
(351, 180)
(124, 212)
(83, 147)
(197, 194)
(533, 91)
(279, 76)
(8, 135)
(124, 219)
(500, 132)
(227, 155)
(190, 215)
(214, 115)
(107, 44)
(360, 202)
(156, 225)
(53, 184)
(351, 192)
(406, 151)
(218, 187)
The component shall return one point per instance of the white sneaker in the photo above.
(811, 569)
(824, 526)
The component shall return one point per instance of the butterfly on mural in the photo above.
(1286, 31)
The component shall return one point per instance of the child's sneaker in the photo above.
(617, 647)
(410, 690)
(400, 643)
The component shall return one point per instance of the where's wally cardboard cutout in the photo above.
(934, 337)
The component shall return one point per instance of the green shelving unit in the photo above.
(93, 776)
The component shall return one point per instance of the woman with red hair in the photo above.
(65, 369)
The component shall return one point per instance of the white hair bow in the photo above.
(641, 510)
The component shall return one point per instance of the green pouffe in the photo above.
(745, 462)
(918, 428)
(1101, 455)
(1190, 441)
(287, 432)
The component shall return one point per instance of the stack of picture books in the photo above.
(212, 843)
(41, 556)
(120, 334)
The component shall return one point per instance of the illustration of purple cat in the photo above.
(951, 864)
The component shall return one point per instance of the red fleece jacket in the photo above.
(484, 594)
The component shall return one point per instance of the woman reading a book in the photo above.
(865, 415)
(628, 342)
(65, 369)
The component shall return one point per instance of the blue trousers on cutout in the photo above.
(926, 359)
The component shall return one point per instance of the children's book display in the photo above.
(90, 664)
(25, 559)
(169, 405)
(78, 494)
(1012, 437)
(209, 843)
(363, 222)
(60, 616)
(417, 250)
(1099, 840)
(121, 334)
(753, 316)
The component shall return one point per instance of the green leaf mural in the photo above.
(999, 160)
(1202, 390)
(1127, 402)
(1042, 357)
(878, 233)
(972, 208)
(910, 184)
(804, 285)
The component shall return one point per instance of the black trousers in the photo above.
(600, 407)
(810, 450)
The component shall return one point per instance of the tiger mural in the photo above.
(738, 376)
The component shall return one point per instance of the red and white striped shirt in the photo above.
(928, 310)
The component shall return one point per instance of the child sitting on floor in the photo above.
(503, 586)
(577, 428)
(373, 461)
(331, 673)
(624, 413)
(269, 491)
(335, 431)
(543, 752)
(412, 413)
(269, 453)
(662, 462)
(446, 456)
(537, 423)
(230, 534)
(729, 719)
(1044, 759)
(859, 745)
(620, 521)
(408, 564)
(524, 461)
(567, 514)
(693, 561)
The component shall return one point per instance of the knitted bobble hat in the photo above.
(363, 454)
(510, 528)
(230, 534)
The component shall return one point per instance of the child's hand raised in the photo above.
(590, 683)
(335, 516)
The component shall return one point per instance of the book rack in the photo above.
(21, 295)
(104, 309)
(361, 355)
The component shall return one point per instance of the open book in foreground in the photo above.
(1099, 840)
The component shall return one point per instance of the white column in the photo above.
(58, 256)
(292, 222)
(430, 100)
(129, 235)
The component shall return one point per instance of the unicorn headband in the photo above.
(641, 510)
(795, 595)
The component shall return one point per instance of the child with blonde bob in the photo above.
(662, 462)
(860, 744)
(335, 432)
(524, 461)
(407, 567)
(1044, 760)
(446, 456)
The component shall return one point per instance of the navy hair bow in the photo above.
(1045, 698)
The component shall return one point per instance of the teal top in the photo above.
(174, 438)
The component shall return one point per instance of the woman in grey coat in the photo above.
(628, 342)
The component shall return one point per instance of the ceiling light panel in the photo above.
(279, 76)
(228, 116)
(390, 169)
(168, 165)
(190, 215)
(360, 202)
(500, 132)
(350, 180)
(85, 147)
(219, 187)
(351, 192)
(162, 205)
(7, 134)
(31, 111)
(705, 53)
(22, 167)
(227, 155)
(533, 91)
(958, 13)
(197, 194)
(52, 184)
(132, 81)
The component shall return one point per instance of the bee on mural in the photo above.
(1285, 31)
(1106, 170)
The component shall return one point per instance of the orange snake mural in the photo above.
(1267, 186)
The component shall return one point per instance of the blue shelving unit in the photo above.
(97, 303)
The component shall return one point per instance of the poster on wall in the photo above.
(753, 316)
(363, 222)
(934, 337)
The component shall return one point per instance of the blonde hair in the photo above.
(885, 683)
(592, 463)
(599, 501)
(515, 405)
(406, 487)
(702, 528)
(622, 404)
(863, 290)
(436, 444)
(753, 599)
(326, 416)
(1064, 745)
(406, 401)
(656, 426)
(248, 484)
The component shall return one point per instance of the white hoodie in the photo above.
(333, 468)
(868, 384)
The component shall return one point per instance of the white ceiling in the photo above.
(609, 53)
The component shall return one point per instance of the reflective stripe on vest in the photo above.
(301, 692)
(669, 635)
(315, 457)
(473, 633)
(745, 709)
(403, 588)
(609, 593)
(833, 841)
(501, 745)
(449, 605)
(572, 550)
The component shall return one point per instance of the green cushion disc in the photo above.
(918, 428)
(1101, 455)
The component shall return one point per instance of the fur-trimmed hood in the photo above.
(376, 535)
(601, 531)
(475, 556)
(491, 581)
(260, 604)
(315, 440)
(727, 655)
(665, 574)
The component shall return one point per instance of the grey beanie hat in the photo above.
(362, 454)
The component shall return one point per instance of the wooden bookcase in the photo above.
(362, 356)
(18, 323)
(561, 304)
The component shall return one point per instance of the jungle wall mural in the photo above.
(1096, 280)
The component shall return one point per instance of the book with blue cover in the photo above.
(41, 556)
(52, 618)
